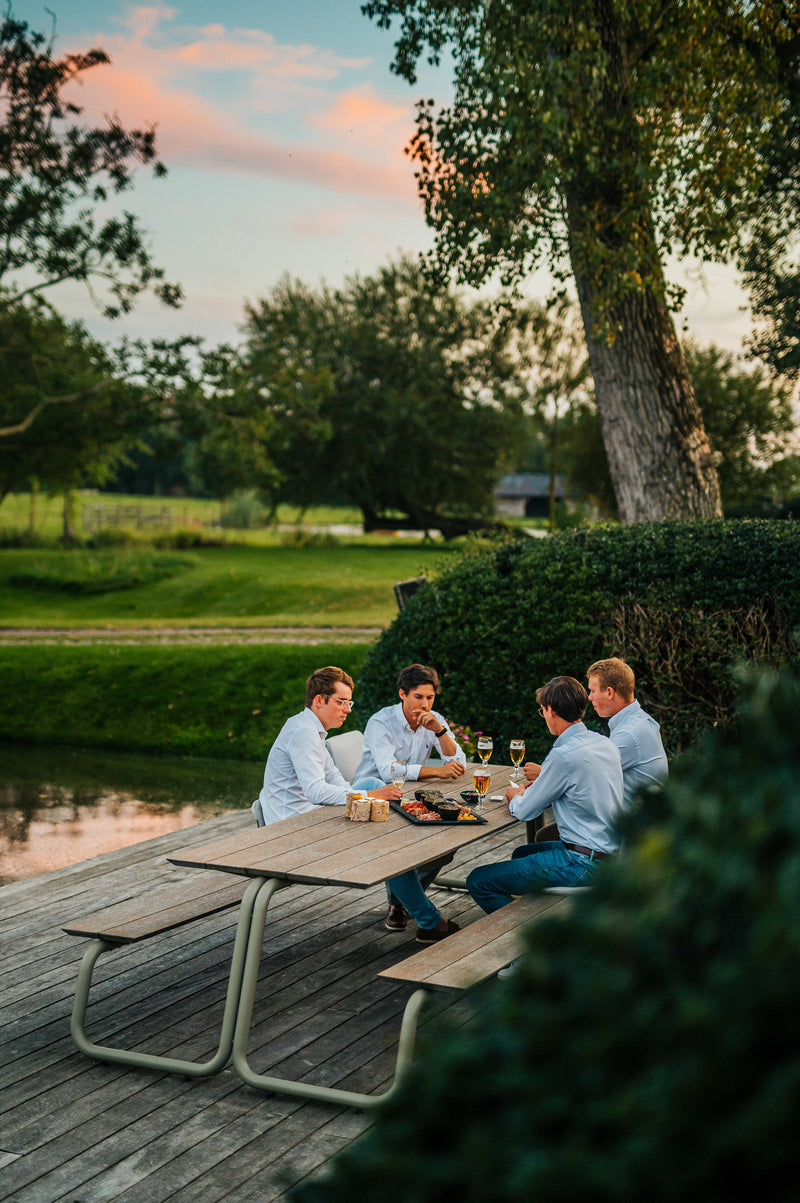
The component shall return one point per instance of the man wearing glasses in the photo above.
(300, 774)
(581, 778)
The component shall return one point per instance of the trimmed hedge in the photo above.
(681, 602)
(648, 1047)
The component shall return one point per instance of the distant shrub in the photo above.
(300, 537)
(15, 538)
(682, 602)
(647, 1048)
(185, 540)
(244, 511)
(113, 536)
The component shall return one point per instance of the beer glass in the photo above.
(481, 778)
(485, 746)
(399, 771)
(517, 749)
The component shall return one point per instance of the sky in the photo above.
(283, 133)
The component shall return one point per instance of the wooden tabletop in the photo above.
(323, 847)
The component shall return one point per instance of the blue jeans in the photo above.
(408, 889)
(531, 867)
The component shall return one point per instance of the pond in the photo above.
(63, 805)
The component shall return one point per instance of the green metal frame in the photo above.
(191, 1069)
(237, 1016)
(308, 1090)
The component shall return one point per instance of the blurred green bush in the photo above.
(681, 602)
(648, 1046)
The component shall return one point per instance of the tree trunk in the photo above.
(68, 519)
(661, 462)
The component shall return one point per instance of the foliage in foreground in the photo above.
(648, 1046)
(227, 702)
(681, 602)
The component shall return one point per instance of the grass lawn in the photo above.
(219, 702)
(184, 512)
(348, 584)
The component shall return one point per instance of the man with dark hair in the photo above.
(408, 731)
(300, 774)
(581, 778)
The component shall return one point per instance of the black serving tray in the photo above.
(437, 822)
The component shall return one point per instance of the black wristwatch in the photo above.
(439, 734)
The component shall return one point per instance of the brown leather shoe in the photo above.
(396, 918)
(431, 935)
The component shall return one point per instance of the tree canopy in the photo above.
(66, 415)
(57, 177)
(389, 393)
(596, 138)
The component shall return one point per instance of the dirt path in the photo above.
(190, 635)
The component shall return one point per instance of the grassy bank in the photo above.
(342, 585)
(227, 702)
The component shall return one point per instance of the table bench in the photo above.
(477, 952)
(153, 914)
(469, 956)
(318, 847)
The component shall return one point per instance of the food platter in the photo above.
(417, 812)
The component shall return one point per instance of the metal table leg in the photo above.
(307, 1090)
(192, 1069)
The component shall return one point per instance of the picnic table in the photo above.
(323, 847)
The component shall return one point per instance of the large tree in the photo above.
(596, 136)
(390, 393)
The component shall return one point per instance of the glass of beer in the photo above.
(481, 777)
(399, 771)
(517, 749)
(485, 746)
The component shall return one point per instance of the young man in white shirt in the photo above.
(300, 774)
(408, 731)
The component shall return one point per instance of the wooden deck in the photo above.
(80, 1131)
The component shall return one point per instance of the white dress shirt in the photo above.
(581, 779)
(388, 736)
(300, 773)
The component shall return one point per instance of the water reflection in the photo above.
(60, 806)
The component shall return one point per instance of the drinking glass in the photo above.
(399, 771)
(481, 777)
(485, 746)
(517, 749)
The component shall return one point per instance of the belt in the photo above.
(590, 852)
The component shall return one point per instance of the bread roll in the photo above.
(379, 810)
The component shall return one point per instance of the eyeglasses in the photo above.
(345, 703)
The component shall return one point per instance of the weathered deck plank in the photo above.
(72, 1128)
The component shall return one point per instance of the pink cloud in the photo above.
(363, 112)
(173, 86)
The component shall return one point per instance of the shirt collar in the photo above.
(629, 709)
(314, 721)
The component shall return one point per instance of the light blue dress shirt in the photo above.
(581, 779)
(300, 773)
(388, 736)
(637, 737)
